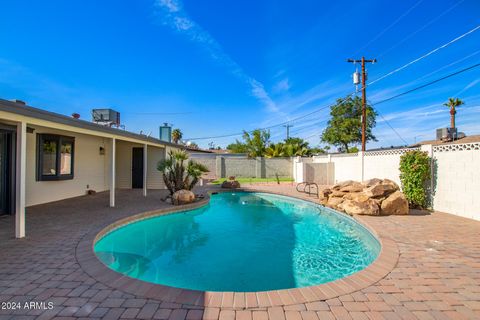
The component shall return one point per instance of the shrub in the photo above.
(414, 175)
(178, 176)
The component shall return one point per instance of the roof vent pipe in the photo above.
(18, 101)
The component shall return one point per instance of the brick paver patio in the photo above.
(437, 275)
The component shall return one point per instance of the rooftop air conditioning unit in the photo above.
(106, 117)
(447, 134)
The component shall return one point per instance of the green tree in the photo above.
(176, 135)
(237, 147)
(453, 104)
(275, 150)
(291, 147)
(256, 142)
(345, 126)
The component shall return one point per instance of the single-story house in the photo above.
(46, 157)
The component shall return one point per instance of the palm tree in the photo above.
(453, 103)
(176, 135)
(274, 150)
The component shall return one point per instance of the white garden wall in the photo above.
(457, 183)
(456, 173)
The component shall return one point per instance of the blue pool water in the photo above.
(241, 242)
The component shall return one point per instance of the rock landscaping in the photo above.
(183, 197)
(373, 197)
(231, 183)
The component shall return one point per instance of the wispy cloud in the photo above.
(282, 86)
(173, 15)
(468, 86)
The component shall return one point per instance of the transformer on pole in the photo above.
(356, 81)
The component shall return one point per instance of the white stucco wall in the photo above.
(383, 164)
(154, 177)
(347, 166)
(457, 171)
(90, 169)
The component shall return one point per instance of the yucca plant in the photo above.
(177, 175)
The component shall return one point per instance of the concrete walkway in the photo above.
(437, 275)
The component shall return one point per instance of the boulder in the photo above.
(372, 182)
(340, 185)
(380, 190)
(333, 202)
(392, 183)
(324, 193)
(368, 207)
(396, 203)
(352, 187)
(337, 194)
(231, 184)
(183, 197)
(357, 196)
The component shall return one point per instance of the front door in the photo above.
(137, 168)
(6, 171)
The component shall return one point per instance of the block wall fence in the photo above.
(225, 166)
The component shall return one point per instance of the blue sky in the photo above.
(217, 67)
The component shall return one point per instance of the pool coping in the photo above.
(88, 261)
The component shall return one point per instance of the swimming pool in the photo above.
(241, 241)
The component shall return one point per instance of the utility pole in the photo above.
(364, 96)
(288, 126)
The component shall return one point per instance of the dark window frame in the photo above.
(58, 139)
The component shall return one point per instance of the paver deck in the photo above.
(437, 275)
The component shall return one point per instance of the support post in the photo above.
(220, 167)
(364, 97)
(145, 169)
(20, 168)
(361, 154)
(112, 173)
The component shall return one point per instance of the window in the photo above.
(55, 157)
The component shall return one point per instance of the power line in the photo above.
(426, 55)
(388, 123)
(390, 26)
(266, 128)
(415, 89)
(428, 84)
(349, 95)
(449, 65)
(420, 29)
(160, 113)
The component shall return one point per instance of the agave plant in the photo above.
(176, 174)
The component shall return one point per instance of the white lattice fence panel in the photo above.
(389, 152)
(457, 147)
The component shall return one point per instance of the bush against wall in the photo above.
(414, 175)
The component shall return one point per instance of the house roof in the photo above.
(28, 111)
(467, 139)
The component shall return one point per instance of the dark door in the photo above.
(137, 168)
(6, 172)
